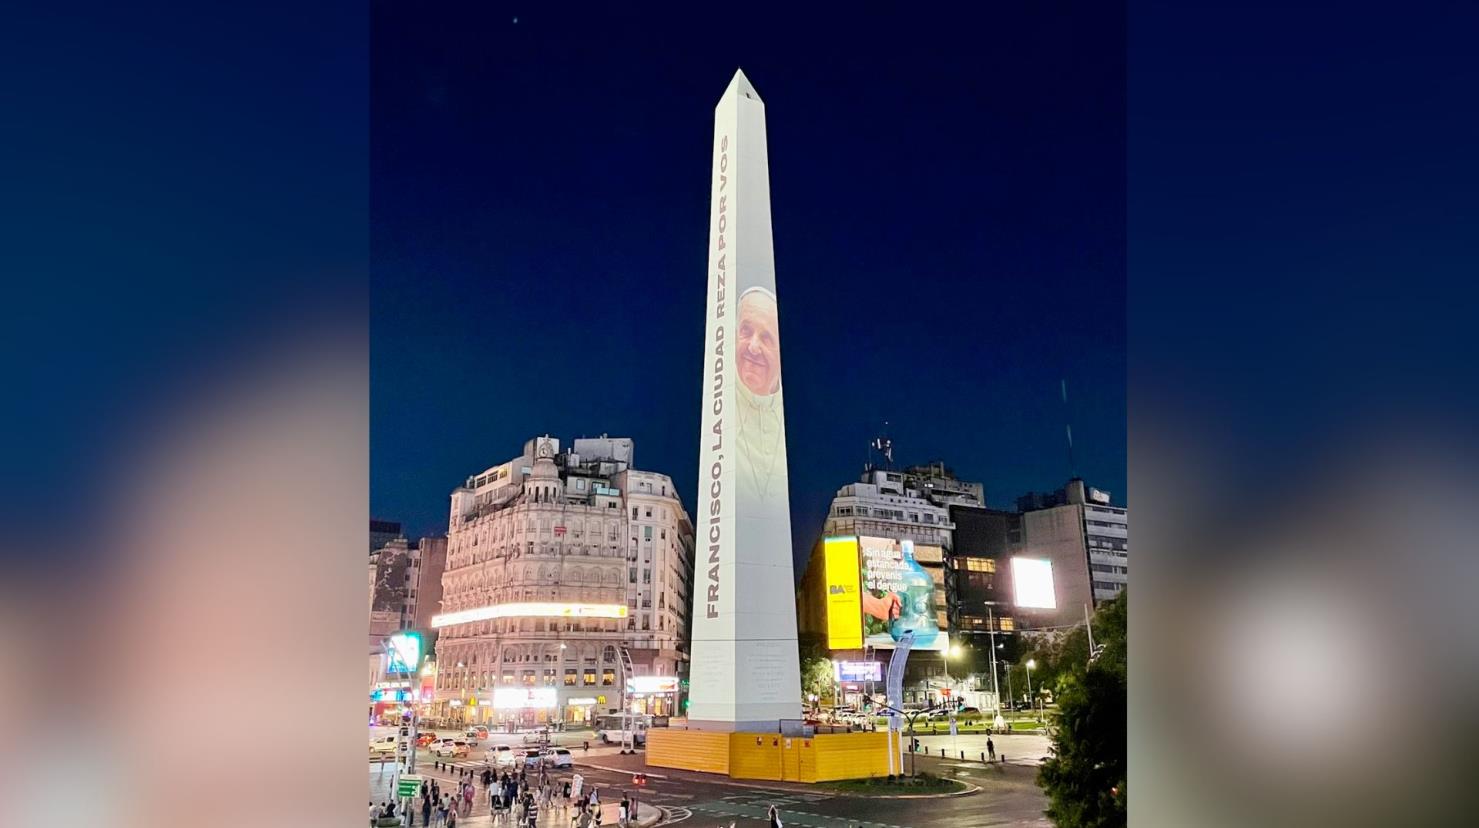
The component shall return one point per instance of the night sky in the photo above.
(948, 204)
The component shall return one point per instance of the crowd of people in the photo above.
(514, 799)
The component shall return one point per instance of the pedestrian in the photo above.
(452, 818)
(990, 748)
(773, 818)
(622, 813)
(374, 813)
(442, 811)
(426, 810)
(531, 812)
(436, 791)
(424, 789)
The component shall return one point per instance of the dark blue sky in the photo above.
(949, 209)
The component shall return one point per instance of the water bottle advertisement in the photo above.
(898, 595)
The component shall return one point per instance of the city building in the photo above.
(383, 532)
(1105, 531)
(405, 592)
(567, 581)
(877, 532)
(1071, 544)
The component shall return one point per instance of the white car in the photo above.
(382, 746)
(550, 758)
(449, 747)
(534, 737)
(501, 755)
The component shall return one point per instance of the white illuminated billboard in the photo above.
(520, 698)
(1033, 581)
(652, 684)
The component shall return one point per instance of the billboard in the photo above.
(744, 670)
(539, 609)
(404, 652)
(844, 600)
(1032, 583)
(846, 671)
(897, 595)
(652, 684)
(520, 698)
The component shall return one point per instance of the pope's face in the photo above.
(759, 344)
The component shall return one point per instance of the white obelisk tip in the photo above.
(741, 85)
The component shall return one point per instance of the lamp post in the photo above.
(1030, 664)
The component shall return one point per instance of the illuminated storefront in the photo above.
(653, 695)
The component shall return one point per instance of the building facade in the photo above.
(912, 507)
(567, 577)
(1105, 529)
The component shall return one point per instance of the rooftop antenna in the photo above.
(885, 446)
(1068, 429)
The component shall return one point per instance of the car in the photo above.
(425, 738)
(549, 758)
(382, 746)
(447, 746)
(501, 755)
(969, 711)
(474, 735)
(536, 736)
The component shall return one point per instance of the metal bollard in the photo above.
(962, 756)
(983, 758)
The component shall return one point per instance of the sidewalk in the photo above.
(557, 817)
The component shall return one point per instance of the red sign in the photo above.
(945, 692)
(559, 530)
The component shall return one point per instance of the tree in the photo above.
(816, 677)
(1085, 777)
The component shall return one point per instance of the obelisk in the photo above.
(745, 675)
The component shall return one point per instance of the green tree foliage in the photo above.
(816, 677)
(1085, 777)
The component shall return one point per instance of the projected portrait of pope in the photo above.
(762, 436)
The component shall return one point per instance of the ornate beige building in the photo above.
(556, 561)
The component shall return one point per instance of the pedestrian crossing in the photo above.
(759, 810)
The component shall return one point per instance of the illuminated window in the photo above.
(980, 564)
(590, 678)
(608, 677)
(569, 678)
(1006, 624)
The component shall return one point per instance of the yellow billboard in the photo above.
(844, 601)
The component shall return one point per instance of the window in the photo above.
(589, 679)
(647, 530)
(580, 483)
(529, 678)
(646, 575)
(608, 677)
(980, 565)
(649, 514)
(631, 575)
(569, 678)
(634, 513)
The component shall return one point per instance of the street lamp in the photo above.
(945, 656)
(1030, 664)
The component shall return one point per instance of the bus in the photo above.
(614, 728)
